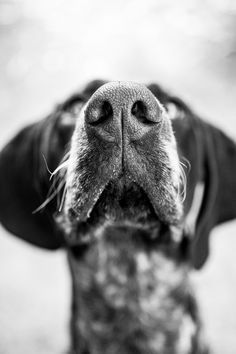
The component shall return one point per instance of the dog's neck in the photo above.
(131, 294)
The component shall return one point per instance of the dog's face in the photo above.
(130, 244)
(121, 219)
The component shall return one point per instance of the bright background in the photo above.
(48, 48)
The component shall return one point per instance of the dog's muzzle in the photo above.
(123, 138)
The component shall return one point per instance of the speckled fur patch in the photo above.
(131, 296)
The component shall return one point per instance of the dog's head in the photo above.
(121, 165)
(122, 219)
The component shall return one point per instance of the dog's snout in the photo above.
(122, 111)
(122, 150)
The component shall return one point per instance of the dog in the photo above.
(130, 182)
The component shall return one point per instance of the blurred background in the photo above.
(50, 48)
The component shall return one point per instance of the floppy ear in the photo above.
(24, 178)
(21, 166)
(211, 178)
(219, 198)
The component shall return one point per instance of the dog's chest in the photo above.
(130, 300)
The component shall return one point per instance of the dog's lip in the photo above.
(84, 216)
(126, 182)
(82, 213)
(124, 179)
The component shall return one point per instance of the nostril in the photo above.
(140, 111)
(104, 113)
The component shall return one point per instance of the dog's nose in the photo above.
(120, 111)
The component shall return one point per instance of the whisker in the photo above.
(183, 183)
(46, 164)
(188, 164)
(48, 199)
(59, 168)
(63, 198)
(58, 182)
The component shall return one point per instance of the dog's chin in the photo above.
(122, 203)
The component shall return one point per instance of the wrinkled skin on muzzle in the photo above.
(122, 221)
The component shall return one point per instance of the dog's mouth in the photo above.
(122, 200)
(122, 203)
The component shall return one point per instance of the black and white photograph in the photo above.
(117, 177)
